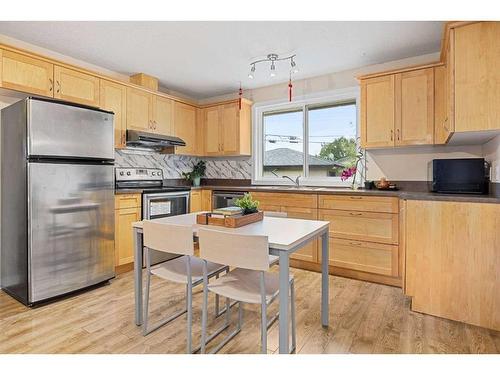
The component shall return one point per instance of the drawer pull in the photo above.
(355, 213)
(355, 243)
(356, 197)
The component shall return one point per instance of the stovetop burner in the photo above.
(147, 180)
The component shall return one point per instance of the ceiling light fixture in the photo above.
(273, 58)
(251, 75)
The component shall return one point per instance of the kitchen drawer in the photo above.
(362, 226)
(359, 203)
(286, 199)
(363, 256)
(127, 201)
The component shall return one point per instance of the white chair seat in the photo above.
(175, 270)
(273, 259)
(244, 285)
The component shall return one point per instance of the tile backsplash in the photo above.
(174, 165)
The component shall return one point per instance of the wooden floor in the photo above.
(365, 318)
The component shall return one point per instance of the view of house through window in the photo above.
(330, 144)
(283, 144)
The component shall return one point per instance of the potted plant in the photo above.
(247, 204)
(196, 174)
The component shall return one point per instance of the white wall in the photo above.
(411, 164)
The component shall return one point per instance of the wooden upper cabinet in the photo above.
(76, 87)
(228, 129)
(26, 74)
(415, 107)
(377, 111)
(113, 97)
(212, 130)
(441, 123)
(185, 128)
(162, 121)
(139, 109)
(477, 76)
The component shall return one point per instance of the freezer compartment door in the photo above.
(70, 227)
(66, 131)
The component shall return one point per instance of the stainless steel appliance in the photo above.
(461, 176)
(57, 199)
(158, 200)
(151, 140)
(222, 199)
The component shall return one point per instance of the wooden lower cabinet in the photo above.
(362, 226)
(309, 252)
(127, 211)
(359, 203)
(200, 200)
(206, 200)
(364, 237)
(298, 206)
(195, 201)
(363, 256)
(453, 260)
(286, 199)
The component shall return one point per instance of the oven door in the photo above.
(160, 205)
(155, 206)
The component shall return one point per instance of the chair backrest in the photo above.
(169, 238)
(236, 250)
(275, 214)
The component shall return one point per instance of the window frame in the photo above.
(336, 97)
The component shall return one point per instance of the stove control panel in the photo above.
(138, 174)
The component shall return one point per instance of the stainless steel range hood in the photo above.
(150, 140)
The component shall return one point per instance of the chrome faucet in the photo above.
(296, 182)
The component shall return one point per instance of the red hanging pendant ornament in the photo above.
(240, 93)
(290, 88)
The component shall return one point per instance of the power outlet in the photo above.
(495, 171)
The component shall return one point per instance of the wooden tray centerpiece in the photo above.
(233, 221)
(245, 213)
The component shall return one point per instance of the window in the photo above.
(313, 139)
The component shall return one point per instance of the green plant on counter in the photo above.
(248, 204)
(196, 174)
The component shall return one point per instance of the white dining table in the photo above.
(285, 236)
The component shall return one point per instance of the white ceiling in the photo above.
(204, 59)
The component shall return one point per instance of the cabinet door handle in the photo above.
(392, 135)
(155, 124)
(397, 132)
(58, 87)
(445, 124)
(51, 86)
(355, 213)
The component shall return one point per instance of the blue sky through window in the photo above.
(284, 130)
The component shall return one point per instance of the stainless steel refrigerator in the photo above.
(57, 229)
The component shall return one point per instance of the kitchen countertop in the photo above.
(402, 194)
(493, 197)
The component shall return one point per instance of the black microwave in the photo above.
(460, 176)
